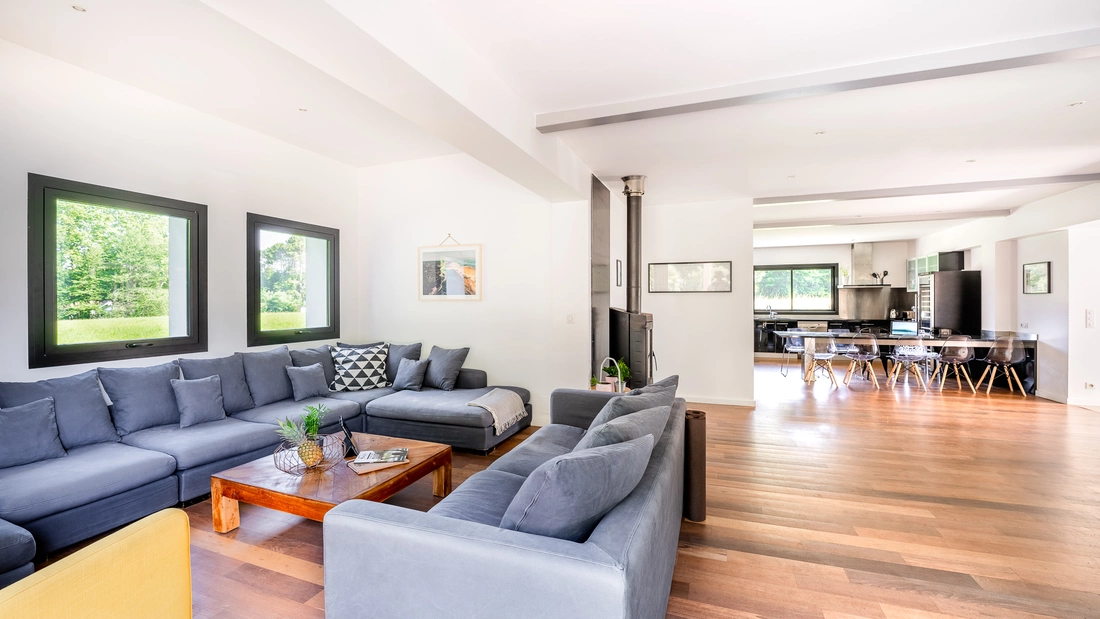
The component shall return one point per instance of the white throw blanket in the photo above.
(505, 406)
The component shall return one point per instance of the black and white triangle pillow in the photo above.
(360, 368)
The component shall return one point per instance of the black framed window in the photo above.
(795, 288)
(112, 274)
(293, 281)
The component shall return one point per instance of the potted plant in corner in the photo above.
(302, 435)
(620, 369)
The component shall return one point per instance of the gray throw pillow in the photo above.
(141, 397)
(444, 366)
(308, 381)
(28, 433)
(397, 353)
(81, 411)
(266, 375)
(199, 400)
(568, 495)
(651, 421)
(410, 375)
(624, 405)
(672, 382)
(230, 369)
(322, 354)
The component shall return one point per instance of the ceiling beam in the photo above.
(969, 61)
(886, 219)
(925, 190)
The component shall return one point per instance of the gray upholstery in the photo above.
(482, 498)
(16, 546)
(434, 406)
(627, 428)
(82, 415)
(309, 356)
(546, 443)
(205, 442)
(473, 379)
(624, 405)
(141, 397)
(87, 474)
(461, 437)
(271, 414)
(577, 407)
(623, 570)
(443, 367)
(308, 382)
(235, 394)
(410, 375)
(396, 354)
(195, 481)
(567, 496)
(670, 382)
(199, 400)
(265, 373)
(28, 433)
(362, 397)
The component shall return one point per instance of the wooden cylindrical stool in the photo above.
(695, 466)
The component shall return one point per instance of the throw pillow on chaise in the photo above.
(650, 421)
(410, 375)
(359, 368)
(624, 405)
(443, 367)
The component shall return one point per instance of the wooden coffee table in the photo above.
(313, 494)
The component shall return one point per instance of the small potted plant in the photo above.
(844, 275)
(302, 435)
(615, 372)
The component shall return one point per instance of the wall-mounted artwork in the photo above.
(690, 277)
(619, 273)
(1037, 278)
(450, 273)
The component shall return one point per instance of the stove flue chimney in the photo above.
(634, 189)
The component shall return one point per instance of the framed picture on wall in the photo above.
(690, 277)
(450, 273)
(1037, 278)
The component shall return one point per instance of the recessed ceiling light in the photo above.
(79, 9)
(791, 176)
(819, 133)
(971, 160)
(1076, 103)
(302, 109)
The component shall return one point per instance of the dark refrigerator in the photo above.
(951, 300)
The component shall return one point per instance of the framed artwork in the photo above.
(690, 277)
(619, 273)
(1037, 278)
(450, 273)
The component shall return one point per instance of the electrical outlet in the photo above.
(1090, 319)
(1023, 325)
(569, 319)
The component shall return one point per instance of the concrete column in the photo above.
(178, 263)
(316, 280)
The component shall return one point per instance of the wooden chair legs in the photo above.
(1010, 375)
(908, 368)
(860, 366)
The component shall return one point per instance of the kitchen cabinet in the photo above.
(932, 263)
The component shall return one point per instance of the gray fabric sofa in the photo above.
(466, 566)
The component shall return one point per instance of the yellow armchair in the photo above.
(143, 570)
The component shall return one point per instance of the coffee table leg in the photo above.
(226, 512)
(441, 480)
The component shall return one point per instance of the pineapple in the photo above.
(303, 434)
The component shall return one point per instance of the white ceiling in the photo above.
(187, 52)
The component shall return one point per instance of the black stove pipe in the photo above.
(634, 189)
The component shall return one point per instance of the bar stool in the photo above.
(863, 350)
(909, 358)
(824, 353)
(791, 345)
(1003, 355)
(956, 352)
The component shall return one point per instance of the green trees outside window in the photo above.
(800, 288)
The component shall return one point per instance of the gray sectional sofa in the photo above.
(472, 555)
(127, 459)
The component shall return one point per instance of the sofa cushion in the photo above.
(396, 354)
(266, 375)
(360, 368)
(308, 382)
(309, 356)
(16, 546)
(434, 406)
(28, 433)
(82, 414)
(566, 497)
(443, 367)
(651, 421)
(141, 397)
(546, 443)
(482, 498)
(199, 400)
(271, 414)
(87, 474)
(623, 405)
(235, 393)
(362, 398)
(410, 376)
(206, 442)
(671, 382)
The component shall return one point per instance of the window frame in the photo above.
(43, 350)
(256, 337)
(833, 267)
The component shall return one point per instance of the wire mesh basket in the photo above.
(289, 460)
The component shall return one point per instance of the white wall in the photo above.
(62, 121)
(1084, 295)
(886, 256)
(705, 338)
(535, 271)
(1046, 315)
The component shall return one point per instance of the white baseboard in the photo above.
(724, 401)
(1039, 393)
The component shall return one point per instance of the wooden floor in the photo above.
(823, 503)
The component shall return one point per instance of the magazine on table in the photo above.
(370, 460)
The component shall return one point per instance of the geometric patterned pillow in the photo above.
(360, 368)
